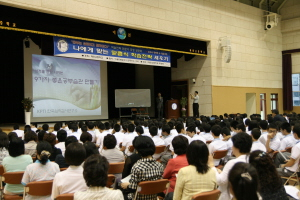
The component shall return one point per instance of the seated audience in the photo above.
(104, 133)
(263, 125)
(207, 135)
(74, 130)
(198, 176)
(85, 136)
(60, 159)
(119, 135)
(127, 141)
(272, 142)
(240, 128)
(4, 142)
(180, 145)
(90, 149)
(42, 169)
(157, 140)
(130, 161)
(45, 127)
(15, 162)
(233, 125)
(140, 131)
(167, 135)
(242, 143)
(270, 182)
(41, 135)
(33, 127)
(180, 130)
(61, 137)
(12, 135)
(51, 138)
(244, 182)
(30, 146)
(95, 170)
(27, 128)
(288, 140)
(226, 133)
(91, 130)
(191, 131)
(110, 152)
(56, 128)
(217, 144)
(71, 180)
(256, 144)
(291, 160)
(20, 133)
(146, 148)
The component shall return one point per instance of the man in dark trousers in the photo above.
(160, 105)
(195, 98)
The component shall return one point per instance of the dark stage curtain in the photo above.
(119, 76)
(287, 82)
(162, 83)
(12, 77)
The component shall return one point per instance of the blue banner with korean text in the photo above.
(74, 48)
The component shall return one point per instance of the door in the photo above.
(250, 103)
(263, 111)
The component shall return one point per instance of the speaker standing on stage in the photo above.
(195, 97)
(160, 105)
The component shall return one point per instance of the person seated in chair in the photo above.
(71, 180)
(15, 162)
(110, 152)
(42, 169)
(97, 165)
(146, 148)
(217, 144)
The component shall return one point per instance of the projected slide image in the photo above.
(65, 86)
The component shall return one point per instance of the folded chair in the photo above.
(68, 196)
(38, 188)
(152, 187)
(212, 195)
(12, 178)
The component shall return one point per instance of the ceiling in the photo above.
(268, 5)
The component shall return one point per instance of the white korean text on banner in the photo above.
(74, 48)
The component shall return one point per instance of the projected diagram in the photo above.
(65, 86)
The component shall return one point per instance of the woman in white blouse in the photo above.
(95, 174)
(4, 142)
(42, 169)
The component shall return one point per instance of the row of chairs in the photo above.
(155, 187)
(44, 188)
(294, 177)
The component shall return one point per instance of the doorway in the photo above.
(263, 111)
(180, 89)
(250, 103)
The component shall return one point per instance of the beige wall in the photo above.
(233, 99)
(256, 53)
(291, 34)
(296, 63)
(291, 25)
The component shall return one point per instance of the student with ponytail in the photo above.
(42, 169)
(243, 182)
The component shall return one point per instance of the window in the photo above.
(296, 102)
(296, 94)
(274, 101)
(296, 89)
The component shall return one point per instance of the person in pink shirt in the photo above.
(180, 144)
